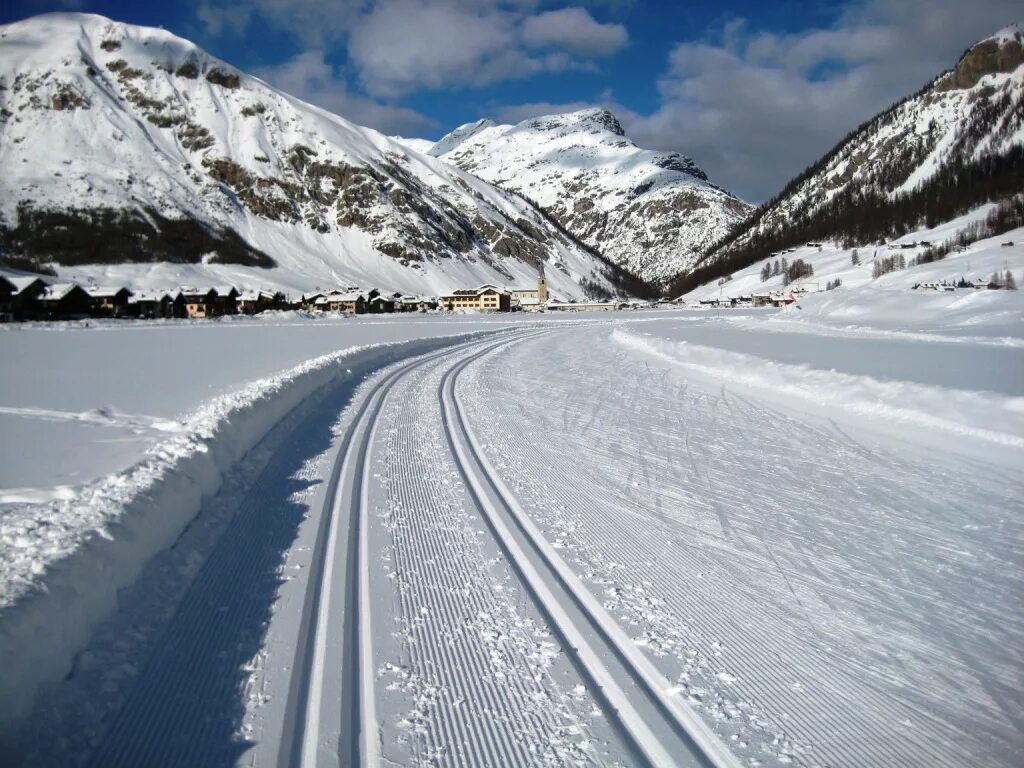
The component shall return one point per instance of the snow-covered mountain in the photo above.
(129, 154)
(956, 144)
(651, 212)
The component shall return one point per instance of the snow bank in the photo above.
(996, 420)
(63, 563)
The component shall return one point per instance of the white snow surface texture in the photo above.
(104, 116)
(652, 212)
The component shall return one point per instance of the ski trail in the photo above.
(702, 746)
(716, 615)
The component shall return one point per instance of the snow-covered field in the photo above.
(671, 537)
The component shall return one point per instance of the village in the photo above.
(40, 298)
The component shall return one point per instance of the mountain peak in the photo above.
(594, 119)
(459, 135)
(128, 150)
(652, 212)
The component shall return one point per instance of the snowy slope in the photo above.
(423, 146)
(128, 146)
(974, 110)
(651, 212)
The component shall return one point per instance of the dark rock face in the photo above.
(986, 58)
(187, 70)
(223, 78)
(116, 236)
(674, 161)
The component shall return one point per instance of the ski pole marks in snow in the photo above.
(470, 674)
(863, 611)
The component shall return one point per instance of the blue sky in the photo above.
(754, 91)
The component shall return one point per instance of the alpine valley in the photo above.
(127, 154)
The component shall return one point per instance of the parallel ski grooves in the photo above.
(702, 745)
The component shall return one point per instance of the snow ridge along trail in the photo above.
(662, 729)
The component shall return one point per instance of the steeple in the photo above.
(542, 287)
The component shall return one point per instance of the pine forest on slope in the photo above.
(956, 144)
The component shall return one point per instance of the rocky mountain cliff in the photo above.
(651, 212)
(128, 153)
(956, 144)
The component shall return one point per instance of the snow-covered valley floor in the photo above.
(736, 538)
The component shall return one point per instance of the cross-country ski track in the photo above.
(452, 562)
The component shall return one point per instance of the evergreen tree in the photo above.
(1009, 282)
(775, 268)
(855, 257)
(766, 272)
(903, 262)
(996, 279)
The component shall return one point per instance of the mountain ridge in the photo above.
(953, 145)
(129, 153)
(651, 212)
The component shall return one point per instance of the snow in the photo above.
(651, 212)
(889, 304)
(182, 405)
(107, 153)
(824, 562)
(798, 526)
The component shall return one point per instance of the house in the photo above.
(761, 299)
(307, 301)
(254, 301)
(380, 305)
(414, 304)
(108, 300)
(351, 303)
(486, 298)
(226, 300)
(152, 304)
(199, 302)
(64, 301)
(23, 301)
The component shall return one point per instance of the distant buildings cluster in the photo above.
(33, 297)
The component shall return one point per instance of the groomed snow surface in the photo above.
(746, 537)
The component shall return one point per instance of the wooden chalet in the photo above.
(226, 302)
(380, 305)
(22, 303)
(64, 301)
(108, 300)
(255, 301)
(347, 303)
(153, 304)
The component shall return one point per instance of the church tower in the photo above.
(542, 287)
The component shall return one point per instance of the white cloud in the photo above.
(402, 46)
(754, 108)
(575, 30)
(221, 18)
(308, 76)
